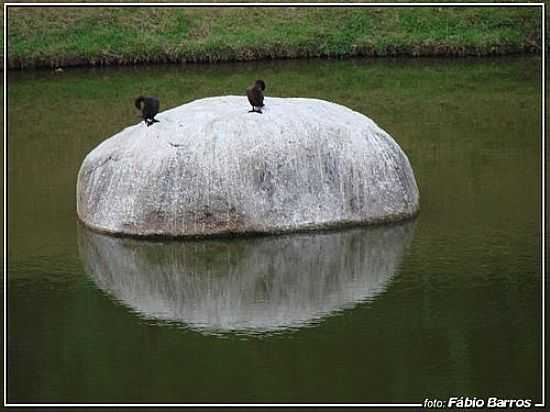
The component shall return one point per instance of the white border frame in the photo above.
(541, 404)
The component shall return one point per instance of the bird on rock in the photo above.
(149, 107)
(256, 96)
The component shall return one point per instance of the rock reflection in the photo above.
(246, 285)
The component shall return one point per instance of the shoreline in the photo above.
(420, 52)
(68, 37)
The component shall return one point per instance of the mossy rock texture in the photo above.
(210, 167)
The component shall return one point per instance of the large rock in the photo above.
(210, 167)
(247, 285)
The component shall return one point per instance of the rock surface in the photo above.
(210, 167)
(247, 285)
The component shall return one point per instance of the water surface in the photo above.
(447, 304)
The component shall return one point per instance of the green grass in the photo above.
(73, 36)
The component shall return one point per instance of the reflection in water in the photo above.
(467, 296)
(246, 285)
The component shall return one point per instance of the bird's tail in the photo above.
(138, 102)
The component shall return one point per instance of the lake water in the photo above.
(447, 304)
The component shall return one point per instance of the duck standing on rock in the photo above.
(256, 96)
(149, 107)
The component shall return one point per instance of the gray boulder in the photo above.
(210, 167)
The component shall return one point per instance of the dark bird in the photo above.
(149, 107)
(256, 96)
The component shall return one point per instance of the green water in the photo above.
(449, 304)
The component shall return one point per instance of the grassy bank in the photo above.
(81, 36)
